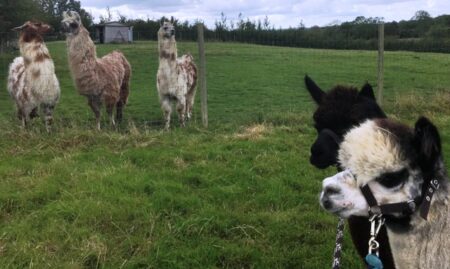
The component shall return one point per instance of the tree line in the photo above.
(15, 12)
(420, 33)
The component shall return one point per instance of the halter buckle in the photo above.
(412, 205)
(375, 210)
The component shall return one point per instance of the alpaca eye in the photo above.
(393, 179)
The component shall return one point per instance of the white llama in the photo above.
(176, 78)
(32, 81)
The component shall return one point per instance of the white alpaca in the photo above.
(32, 81)
(404, 170)
(176, 78)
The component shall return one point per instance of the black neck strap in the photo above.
(431, 187)
(407, 207)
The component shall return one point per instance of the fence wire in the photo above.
(260, 78)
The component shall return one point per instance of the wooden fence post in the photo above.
(380, 63)
(202, 75)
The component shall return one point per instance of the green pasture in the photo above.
(240, 194)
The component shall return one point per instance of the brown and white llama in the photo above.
(32, 82)
(101, 80)
(396, 171)
(176, 77)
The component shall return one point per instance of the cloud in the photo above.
(281, 13)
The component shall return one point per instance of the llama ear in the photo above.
(428, 144)
(20, 28)
(367, 91)
(316, 93)
(77, 16)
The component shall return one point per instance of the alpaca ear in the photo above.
(316, 93)
(428, 144)
(367, 91)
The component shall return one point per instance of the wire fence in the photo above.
(264, 83)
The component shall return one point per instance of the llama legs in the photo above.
(189, 104)
(47, 110)
(181, 108)
(109, 110)
(167, 109)
(34, 113)
(95, 103)
(25, 114)
(23, 117)
(119, 109)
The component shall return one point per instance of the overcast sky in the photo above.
(281, 13)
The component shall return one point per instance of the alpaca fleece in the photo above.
(381, 147)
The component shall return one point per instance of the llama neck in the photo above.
(168, 51)
(81, 51)
(34, 52)
(426, 244)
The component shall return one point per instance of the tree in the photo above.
(266, 23)
(14, 13)
(301, 25)
(421, 15)
(108, 17)
(53, 10)
(121, 18)
(221, 25)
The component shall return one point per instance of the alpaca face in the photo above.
(324, 149)
(167, 30)
(338, 110)
(379, 153)
(71, 22)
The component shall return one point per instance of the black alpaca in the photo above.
(338, 110)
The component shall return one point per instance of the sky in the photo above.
(280, 13)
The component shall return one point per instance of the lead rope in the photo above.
(338, 246)
(372, 259)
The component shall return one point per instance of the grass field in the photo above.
(240, 194)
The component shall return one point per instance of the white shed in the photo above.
(115, 32)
